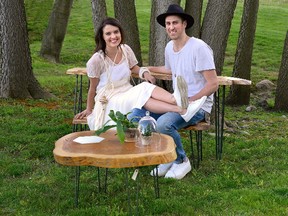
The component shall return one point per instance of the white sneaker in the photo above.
(193, 108)
(178, 171)
(162, 169)
(181, 92)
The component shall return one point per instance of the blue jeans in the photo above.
(169, 123)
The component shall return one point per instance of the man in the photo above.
(192, 59)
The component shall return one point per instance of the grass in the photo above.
(251, 179)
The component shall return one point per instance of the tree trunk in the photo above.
(281, 99)
(159, 38)
(16, 76)
(240, 95)
(55, 33)
(126, 14)
(216, 27)
(194, 7)
(99, 12)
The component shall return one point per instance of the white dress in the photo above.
(115, 85)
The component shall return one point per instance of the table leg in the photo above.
(128, 190)
(192, 150)
(78, 101)
(75, 95)
(77, 183)
(78, 92)
(99, 179)
(219, 121)
(106, 177)
(199, 147)
(222, 122)
(156, 182)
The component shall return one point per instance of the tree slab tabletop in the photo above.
(110, 153)
(223, 80)
(77, 71)
(83, 71)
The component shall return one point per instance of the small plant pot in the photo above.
(146, 140)
(130, 135)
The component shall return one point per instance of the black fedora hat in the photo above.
(175, 9)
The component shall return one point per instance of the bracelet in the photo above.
(142, 71)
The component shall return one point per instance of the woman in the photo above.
(109, 71)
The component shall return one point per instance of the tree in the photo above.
(281, 98)
(240, 95)
(194, 7)
(56, 30)
(99, 12)
(16, 76)
(159, 37)
(216, 27)
(126, 14)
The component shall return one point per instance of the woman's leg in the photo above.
(161, 94)
(159, 106)
(179, 97)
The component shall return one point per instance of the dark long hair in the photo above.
(99, 40)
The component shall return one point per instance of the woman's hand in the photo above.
(149, 78)
(103, 100)
(83, 114)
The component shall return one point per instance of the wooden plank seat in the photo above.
(79, 121)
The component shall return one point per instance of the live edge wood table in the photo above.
(110, 153)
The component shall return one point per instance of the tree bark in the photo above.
(16, 76)
(99, 12)
(216, 27)
(281, 98)
(194, 7)
(240, 95)
(55, 33)
(159, 38)
(126, 14)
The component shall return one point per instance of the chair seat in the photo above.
(198, 127)
(79, 121)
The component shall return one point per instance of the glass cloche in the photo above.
(146, 129)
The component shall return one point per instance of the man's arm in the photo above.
(211, 86)
(159, 69)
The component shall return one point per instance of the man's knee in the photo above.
(136, 114)
(163, 125)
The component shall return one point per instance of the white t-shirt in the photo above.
(195, 57)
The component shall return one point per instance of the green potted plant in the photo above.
(125, 128)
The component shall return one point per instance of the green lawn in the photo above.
(251, 179)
